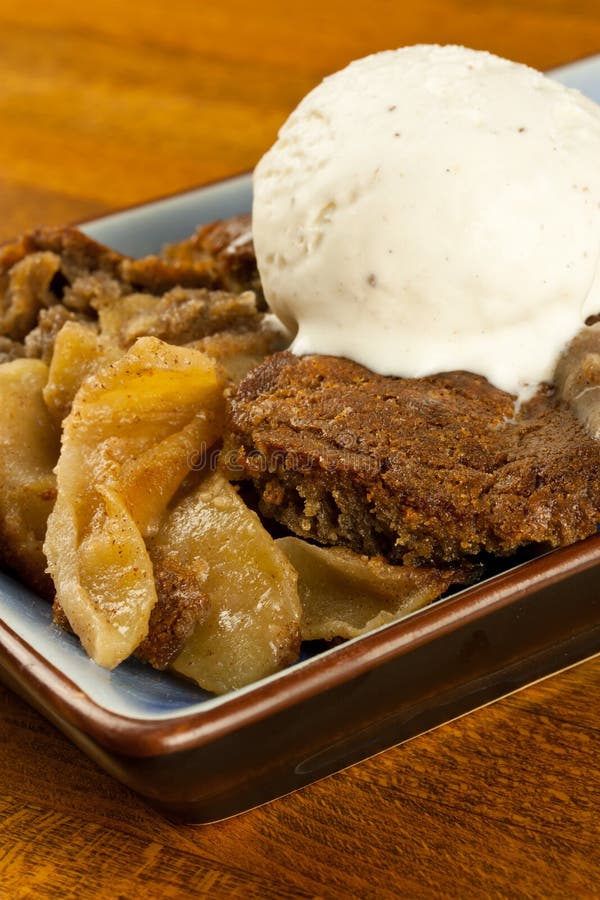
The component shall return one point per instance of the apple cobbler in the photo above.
(186, 490)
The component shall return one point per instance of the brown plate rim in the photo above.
(158, 736)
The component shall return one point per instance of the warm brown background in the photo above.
(107, 104)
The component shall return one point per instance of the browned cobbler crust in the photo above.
(54, 274)
(229, 243)
(219, 255)
(431, 469)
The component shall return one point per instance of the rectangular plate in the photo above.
(180, 747)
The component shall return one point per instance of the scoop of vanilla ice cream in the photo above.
(434, 208)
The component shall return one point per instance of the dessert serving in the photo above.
(209, 457)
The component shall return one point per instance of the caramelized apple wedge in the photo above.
(253, 624)
(577, 378)
(29, 449)
(344, 594)
(131, 437)
(78, 352)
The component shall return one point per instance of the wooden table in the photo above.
(106, 104)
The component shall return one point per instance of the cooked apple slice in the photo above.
(252, 627)
(577, 378)
(29, 446)
(78, 352)
(135, 429)
(345, 594)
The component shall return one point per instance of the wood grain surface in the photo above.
(106, 104)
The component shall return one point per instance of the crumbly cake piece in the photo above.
(431, 469)
(181, 606)
(10, 350)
